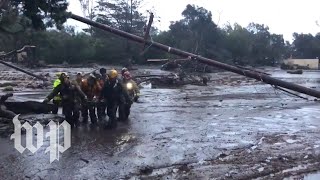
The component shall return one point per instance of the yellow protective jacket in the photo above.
(56, 83)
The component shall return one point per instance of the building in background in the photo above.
(301, 63)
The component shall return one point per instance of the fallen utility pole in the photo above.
(147, 33)
(258, 76)
(241, 67)
(166, 60)
(22, 70)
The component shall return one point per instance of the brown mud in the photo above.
(234, 128)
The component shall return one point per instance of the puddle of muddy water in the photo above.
(167, 129)
(313, 176)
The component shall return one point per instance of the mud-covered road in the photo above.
(234, 128)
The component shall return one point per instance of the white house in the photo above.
(311, 63)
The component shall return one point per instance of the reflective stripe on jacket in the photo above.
(56, 83)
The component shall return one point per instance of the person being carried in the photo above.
(79, 78)
(101, 104)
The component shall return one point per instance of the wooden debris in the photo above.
(298, 71)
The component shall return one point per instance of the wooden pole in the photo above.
(248, 73)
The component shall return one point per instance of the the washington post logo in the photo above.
(54, 135)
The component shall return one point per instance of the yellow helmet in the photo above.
(113, 74)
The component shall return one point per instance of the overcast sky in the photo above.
(282, 16)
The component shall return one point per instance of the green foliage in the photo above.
(195, 32)
(306, 45)
(11, 22)
(121, 14)
(56, 47)
(43, 13)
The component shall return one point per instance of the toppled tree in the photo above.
(124, 15)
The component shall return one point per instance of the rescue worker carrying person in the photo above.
(123, 70)
(57, 99)
(78, 78)
(69, 95)
(101, 105)
(115, 96)
(131, 85)
(92, 89)
(133, 91)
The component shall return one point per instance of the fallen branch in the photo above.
(22, 70)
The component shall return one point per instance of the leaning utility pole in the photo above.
(258, 76)
(147, 33)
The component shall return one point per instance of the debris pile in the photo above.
(173, 79)
(186, 65)
(298, 71)
(24, 56)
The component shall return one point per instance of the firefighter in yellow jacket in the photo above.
(57, 99)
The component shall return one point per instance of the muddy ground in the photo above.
(234, 128)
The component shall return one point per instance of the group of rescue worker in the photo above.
(93, 95)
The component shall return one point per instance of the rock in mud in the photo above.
(84, 160)
(146, 170)
(8, 88)
(29, 107)
(7, 84)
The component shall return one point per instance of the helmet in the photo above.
(127, 75)
(123, 70)
(63, 75)
(112, 74)
(79, 73)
